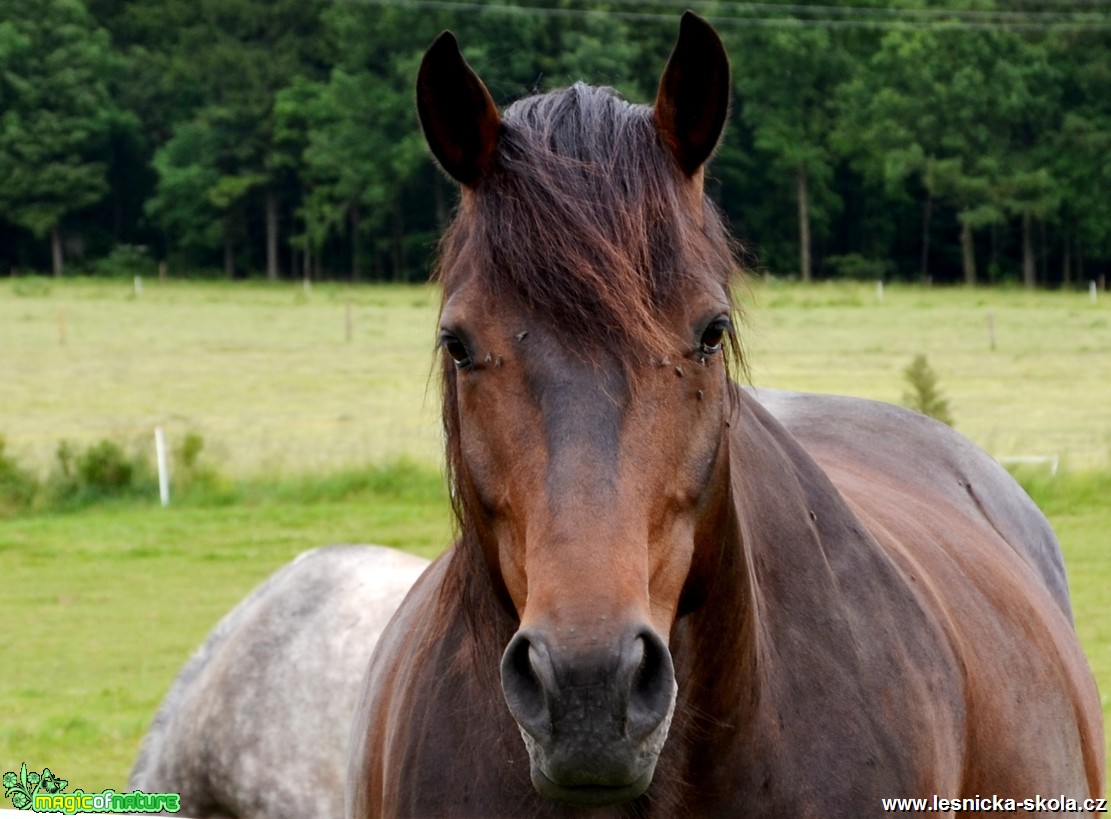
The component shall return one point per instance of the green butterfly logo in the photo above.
(22, 787)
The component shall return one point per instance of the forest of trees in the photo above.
(930, 141)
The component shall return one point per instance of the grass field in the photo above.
(266, 375)
(101, 606)
(1044, 390)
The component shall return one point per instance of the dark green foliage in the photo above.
(859, 267)
(106, 471)
(57, 114)
(191, 477)
(18, 486)
(189, 450)
(101, 471)
(924, 395)
(104, 466)
(126, 261)
(280, 137)
(957, 116)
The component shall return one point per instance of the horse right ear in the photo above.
(693, 99)
(457, 113)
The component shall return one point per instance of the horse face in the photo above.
(592, 473)
(596, 493)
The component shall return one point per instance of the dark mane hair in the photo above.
(587, 222)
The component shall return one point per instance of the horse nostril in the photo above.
(651, 682)
(528, 679)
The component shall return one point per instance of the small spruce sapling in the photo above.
(924, 396)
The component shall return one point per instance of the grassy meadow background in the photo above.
(321, 430)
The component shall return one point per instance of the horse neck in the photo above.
(773, 580)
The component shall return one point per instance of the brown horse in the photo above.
(687, 599)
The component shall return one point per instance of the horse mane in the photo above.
(586, 221)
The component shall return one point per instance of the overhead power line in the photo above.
(798, 16)
(783, 9)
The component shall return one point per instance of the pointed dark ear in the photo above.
(459, 118)
(693, 100)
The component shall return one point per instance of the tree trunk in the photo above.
(993, 255)
(56, 250)
(805, 270)
(273, 270)
(1041, 258)
(354, 217)
(1028, 266)
(297, 254)
(398, 246)
(1066, 264)
(927, 214)
(229, 258)
(968, 254)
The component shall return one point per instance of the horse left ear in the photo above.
(693, 99)
(457, 113)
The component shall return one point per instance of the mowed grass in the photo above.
(1079, 508)
(266, 375)
(101, 607)
(1045, 390)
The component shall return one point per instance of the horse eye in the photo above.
(713, 336)
(456, 349)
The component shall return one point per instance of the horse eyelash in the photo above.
(726, 326)
(447, 338)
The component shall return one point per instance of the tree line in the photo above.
(940, 142)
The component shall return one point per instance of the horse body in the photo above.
(256, 724)
(842, 657)
(670, 597)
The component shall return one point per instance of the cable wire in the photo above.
(757, 15)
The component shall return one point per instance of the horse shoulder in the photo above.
(917, 456)
(855, 672)
(984, 565)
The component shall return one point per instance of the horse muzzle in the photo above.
(594, 720)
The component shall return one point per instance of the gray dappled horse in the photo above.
(256, 724)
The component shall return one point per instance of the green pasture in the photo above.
(1044, 390)
(101, 608)
(267, 375)
(319, 438)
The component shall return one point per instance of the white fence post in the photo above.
(163, 467)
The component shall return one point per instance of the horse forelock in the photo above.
(586, 222)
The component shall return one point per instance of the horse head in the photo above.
(585, 326)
